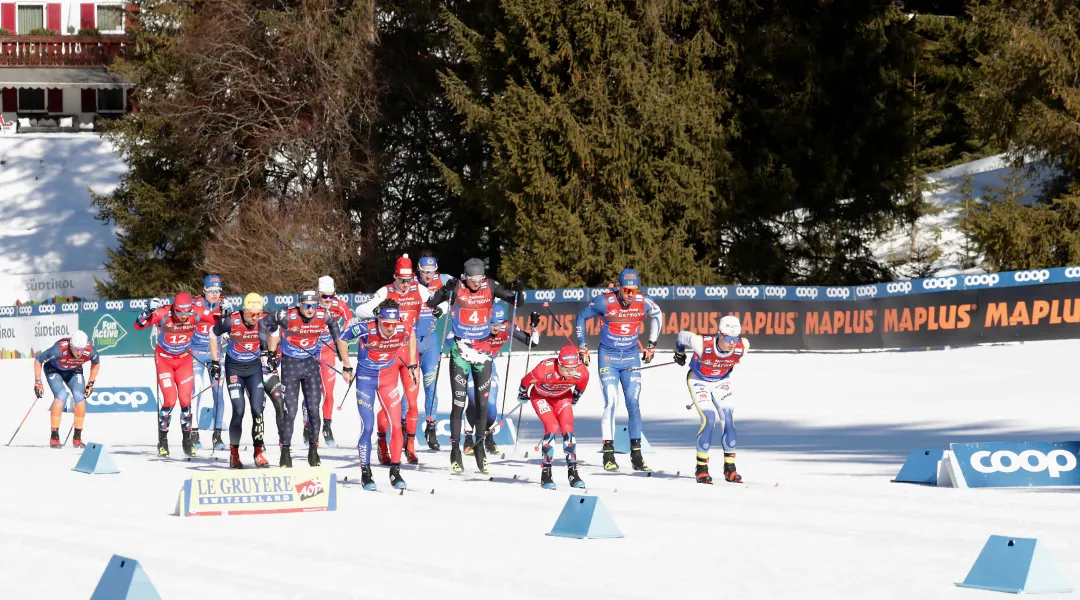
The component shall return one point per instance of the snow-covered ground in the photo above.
(820, 437)
(46, 221)
(941, 231)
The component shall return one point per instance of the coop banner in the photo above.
(953, 318)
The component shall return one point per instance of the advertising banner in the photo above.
(26, 336)
(38, 287)
(121, 400)
(1018, 464)
(113, 332)
(258, 492)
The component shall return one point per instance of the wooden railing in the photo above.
(62, 50)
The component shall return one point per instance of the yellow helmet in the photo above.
(253, 302)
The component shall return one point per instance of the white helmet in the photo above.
(326, 284)
(79, 340)
(730, 326)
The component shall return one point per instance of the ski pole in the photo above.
(552, 313)
(509, 353)
(517, 427)
(651, 366)
(23, 421)
(68, 436)
(342, 403)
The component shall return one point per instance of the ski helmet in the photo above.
(211, 283)
(79, 341)
(474, 267)
(498, 313)
(326, 284)
(429, 263)
(181, 304)
(628, 278)
(568, 356)
(403, 267)
(309, 297)
(253, 303)
(729, 326)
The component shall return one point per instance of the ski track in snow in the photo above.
(820, 437)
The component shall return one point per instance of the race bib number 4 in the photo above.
(472, 316)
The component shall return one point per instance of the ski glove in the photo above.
(144, 316)
(89, 390)
(650, 351)
(215, 370)
(39, 389)
(414, 370)
(680, 358)
(577, 396)
(451, 285)
(534, 320)
(523, 394)
(583, 352)
(436, 312)
(270, 361)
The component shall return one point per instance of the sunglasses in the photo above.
(428, 271)
(476, 279)
(310, 306)
(328, 296)
(731, 339)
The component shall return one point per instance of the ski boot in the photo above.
(260, 459)
(77, 439)
(701, 473)
(163, 444)
(54, 439)
(185, 444)
(328, 434)
(455, 459)
(545, 478)
(468, 443)
(286, 458)
(430, 436)
(366, 479)
(609, 456)
(313, 456)
(395, 477)
(218, 443)
(490, 445)
(481, 457)
(636, 460)
(410, 450)
(195, 442)
(575, 479)
(384, 452)
(234, 457)
(307, 439)
(730, 474)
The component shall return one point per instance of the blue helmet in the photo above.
(629, 278)
(498, 313)
(211, 283)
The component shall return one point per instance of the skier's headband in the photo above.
(389, 313)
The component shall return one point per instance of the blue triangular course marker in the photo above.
(622, 442)
(585, 517)
(124, 579)
(1015, 565)
(921, 467)
(95, 460)
(206, 418)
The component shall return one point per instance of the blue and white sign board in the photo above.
(1013, 464)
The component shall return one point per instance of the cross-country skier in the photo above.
(553, 387)
(62, 364)
(709, 381)
(383, 343)
(243, 372)
(429, 342)
(410, 296)
(340, 312)
(622, 311)
(212, 311)
(299, 330)
(176, 325)
(501, 331)
(470, 309)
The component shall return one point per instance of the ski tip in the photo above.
(515, 475)
(432, 491)
(491, 479)
(346, 478)
(648, 473)
(677, 473)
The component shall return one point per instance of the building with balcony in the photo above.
(53, 64)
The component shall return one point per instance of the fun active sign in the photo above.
(1017, 464)
(258, 492)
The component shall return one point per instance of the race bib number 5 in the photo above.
(623, 328)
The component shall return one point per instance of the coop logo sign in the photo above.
(939, 283)
(988, 280)
(577, 294)
(806, 292)
(1025, 464)
(7, 311)
(1072, 272)
(685, 292)
(747, 291)
(544, 294)
(657, 292)
(1031, 276)
(283, 300)
(716, 291)
(866, 291)
(775, 291)
(121, 399)
(842, 293)
(898, 287)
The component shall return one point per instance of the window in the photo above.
(110, 100)
(30, 18)
(110, 18)
(31, 100)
